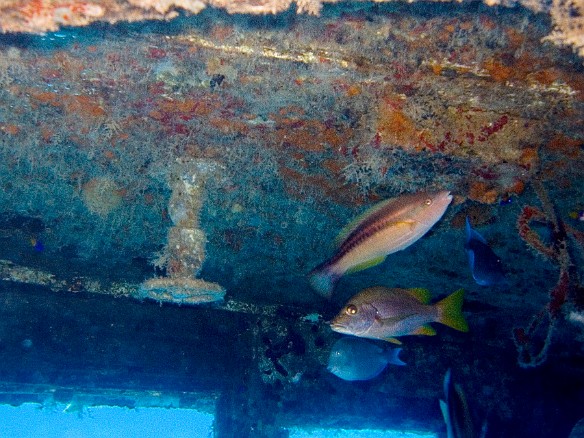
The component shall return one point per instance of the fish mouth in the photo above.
(339, 328)
(446, 195)
(347, 329)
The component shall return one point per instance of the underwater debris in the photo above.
(10, 271)
(533, 342)
(182, 290)
(184, 253)
(35, 16)
(21, 274)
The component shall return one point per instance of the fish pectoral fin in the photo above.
(393, 341)
(405, 227)
(368, 264)
(426, 330)
(388, 322)
(410, 224)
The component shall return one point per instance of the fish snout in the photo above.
(339, 327)
(445, 196)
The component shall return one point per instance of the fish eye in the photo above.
(428, 201)
(351, 309)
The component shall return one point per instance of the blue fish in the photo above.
(357, 359)
(37, 244)
(485, 265)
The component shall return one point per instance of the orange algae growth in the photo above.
(482, 192)
(353, 90)
(309, 135)
(478, 214)
(86, 107)
(298, 185)
(528, 157)
(229, 126)
(567, 146)
(44, 98)
(186, 108)
(46, 134)
(9, 128)
(517, 187)
(394, 126)
(334, 166)
(544, 77)
(437, 68)
(291, 110)
(497, 70)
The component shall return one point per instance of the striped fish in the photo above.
(387, 227)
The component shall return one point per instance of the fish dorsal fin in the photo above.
(393, 341)
(355, 223)
(420, 294)
(366, 265)
(425, 330)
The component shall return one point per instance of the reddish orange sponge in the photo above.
(482, 192)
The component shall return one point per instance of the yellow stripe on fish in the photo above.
(387, 227)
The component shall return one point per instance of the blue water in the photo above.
(30, 420)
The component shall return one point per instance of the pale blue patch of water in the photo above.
(29, 420)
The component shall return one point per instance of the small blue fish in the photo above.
(37, 244)
(357, 359)
(485, 265)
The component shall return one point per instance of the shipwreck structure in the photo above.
(171, 171)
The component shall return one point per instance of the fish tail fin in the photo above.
(450, 311)
(393, 357)
(445, 415)
(444, 404)
(323, 280)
